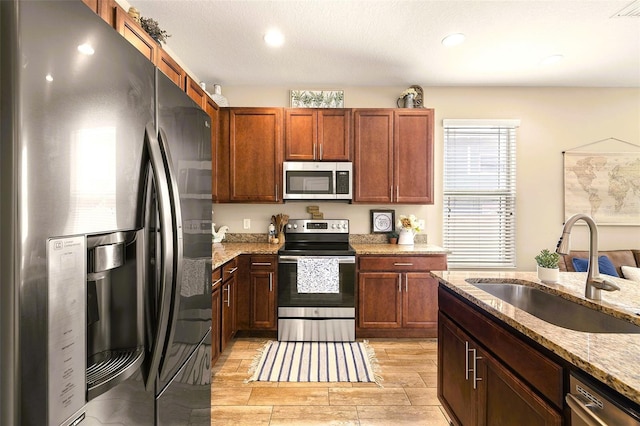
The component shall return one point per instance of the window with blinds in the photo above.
(480, 193)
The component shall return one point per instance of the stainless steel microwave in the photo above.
(317, 180)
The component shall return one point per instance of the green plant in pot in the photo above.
(548, 269)
(393, 237)
(152, 28)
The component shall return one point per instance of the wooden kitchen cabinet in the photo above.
(104, 9)
(397, 296)
(493, 377)
(228, 302)
(195, 92)
(263, 292)
(317, 134)
(250, 155)
(479, 390)
(134, 33)
(216, 318)
(171, 68)
(393, 160)
(212, 109)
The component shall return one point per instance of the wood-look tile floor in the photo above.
(407, 395)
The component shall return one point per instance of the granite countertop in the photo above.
(611, 358)
(398, 249)
(226, 251)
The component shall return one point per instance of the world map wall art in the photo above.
(606, 186)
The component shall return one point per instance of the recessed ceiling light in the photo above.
(453, 39)
(86, 49)
(549, 60)
(48, 77)
(274, 38)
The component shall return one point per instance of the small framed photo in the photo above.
(382, 221)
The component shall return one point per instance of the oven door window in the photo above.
(288, 295)
(309, 182)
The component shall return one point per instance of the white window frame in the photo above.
(479, 198)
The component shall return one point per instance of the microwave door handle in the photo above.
(165, 255)
(177, 241)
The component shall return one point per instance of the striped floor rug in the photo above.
(315, 362)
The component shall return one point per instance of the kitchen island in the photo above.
(610, 358)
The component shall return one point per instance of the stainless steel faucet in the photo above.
(594, 283)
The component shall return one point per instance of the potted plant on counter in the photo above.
(548, 270)
(393, 237)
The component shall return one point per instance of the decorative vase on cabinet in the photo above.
(406, 237)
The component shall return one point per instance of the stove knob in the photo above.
(295, 226)
(333, 225)
(288, 226)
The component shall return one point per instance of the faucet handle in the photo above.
(604, 284)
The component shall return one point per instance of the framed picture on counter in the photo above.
(382, 221)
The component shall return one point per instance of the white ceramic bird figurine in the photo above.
(219, 235)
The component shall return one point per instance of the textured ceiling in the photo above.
(390, 42)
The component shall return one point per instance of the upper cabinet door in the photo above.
(134, 33)
(413, 156)
(334, 134)
(373, 146)
(317, 134)
(301, 134)
(195, 92)
(255, 154)
(170, 68)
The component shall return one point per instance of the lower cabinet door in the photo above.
(455, 391)
(263, 301)
(379, 300)
(419, 300)
(506, 400)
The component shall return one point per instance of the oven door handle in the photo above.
(294, 259)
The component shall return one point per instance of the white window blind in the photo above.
(480, 193)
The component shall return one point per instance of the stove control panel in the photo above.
(318, 226)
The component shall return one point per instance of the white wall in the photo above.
(552, 120)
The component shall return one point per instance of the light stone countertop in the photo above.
(224, 252)
(398, 249)
(614, 359)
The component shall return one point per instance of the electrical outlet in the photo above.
(246, 223)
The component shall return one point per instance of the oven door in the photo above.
(288, 286)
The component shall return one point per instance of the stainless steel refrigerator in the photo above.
(105, 228)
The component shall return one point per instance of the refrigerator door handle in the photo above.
(178, 247)
(166, 255)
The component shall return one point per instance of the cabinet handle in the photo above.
(216, 282)
(402, 264)
(476, 379)
(321, 153)
(406, 283)
(397, 191)
(315, 146)
(466, 360)
(270, 281)
(276, 192)
(228, 296)
(391, 193)
(231, 271)
(261, 264)
(399, 283)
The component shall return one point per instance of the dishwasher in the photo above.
(592, 405)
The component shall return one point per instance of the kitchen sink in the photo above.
(555, 309)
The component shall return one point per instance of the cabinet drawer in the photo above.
(263, 263)
(403, 263)
(229, 269)
(216, 279)
(535, 368)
